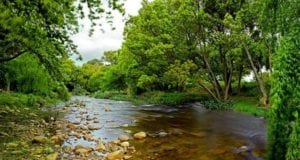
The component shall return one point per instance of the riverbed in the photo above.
(183, 132)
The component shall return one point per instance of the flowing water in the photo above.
(187, 132)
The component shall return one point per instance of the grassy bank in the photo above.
(248, 105)
(23, 117)
(154, 97)
(244, 104)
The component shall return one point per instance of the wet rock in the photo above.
(100, 147)
(162, 134)
(116, 141)
(96, 121)
(125, 144)
(40, 139)
(140, 135)
(117, 155)
(243, 149)
(125, 125)
(123, 138)
(199, 134)
(91, 127)
(67, 149)
(83, 151)
(52, 156)
(107, 109)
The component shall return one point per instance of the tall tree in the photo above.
(284, 123)
(43, 28)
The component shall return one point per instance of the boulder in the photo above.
(140, 135)
(40, 139)
(125, 144)
(123, 138)
(116, 155)
(100, 147)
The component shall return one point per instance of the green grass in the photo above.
(248, 105)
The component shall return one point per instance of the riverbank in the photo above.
(26, 125)
(244, 104)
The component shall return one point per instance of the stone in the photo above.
(116, 141)
(199, 134)
(52, 156)
(127, 157)
(140, 135)
(116, 155)
(100, 147)
(40, 139)
(82, 151)
(123, 138)
(125, 144)
(162, 134)
(91, 127)
(107, 109)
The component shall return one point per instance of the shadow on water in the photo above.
(178, 132)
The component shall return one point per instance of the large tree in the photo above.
(284, 123)
(43, 27)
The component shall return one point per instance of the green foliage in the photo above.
(215, 105)
(178, 75)
(285, 100)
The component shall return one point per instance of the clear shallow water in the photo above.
(175, 132)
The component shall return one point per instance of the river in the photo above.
(183, 132)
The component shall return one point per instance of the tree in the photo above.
(284, 123)
(43, 28)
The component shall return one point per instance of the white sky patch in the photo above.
(94, 46)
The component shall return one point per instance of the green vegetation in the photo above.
(21, 117)
(174, 52)
(249, 105)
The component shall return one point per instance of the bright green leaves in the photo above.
(179, 74)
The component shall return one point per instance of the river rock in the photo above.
(199, 134)
(162, 134)
(100, 147)
(40, 139)
(123, 138)
(107, 109)
(52, 156)
(117, 155)
(125, 144)
(140, 135)
(91, 127)
(83, 151)
(127, 157)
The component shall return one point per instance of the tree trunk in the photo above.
(240, 79)
(213, 78)
(228, 83)
(210, 92)
(260, 83)
(7, 82)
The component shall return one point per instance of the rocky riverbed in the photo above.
(105, 129)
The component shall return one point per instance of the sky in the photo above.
(94, 46)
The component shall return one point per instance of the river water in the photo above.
(186, 132)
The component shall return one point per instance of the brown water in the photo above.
(187, 132)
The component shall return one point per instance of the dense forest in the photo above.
(174, 51)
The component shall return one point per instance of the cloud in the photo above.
(94, 46)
